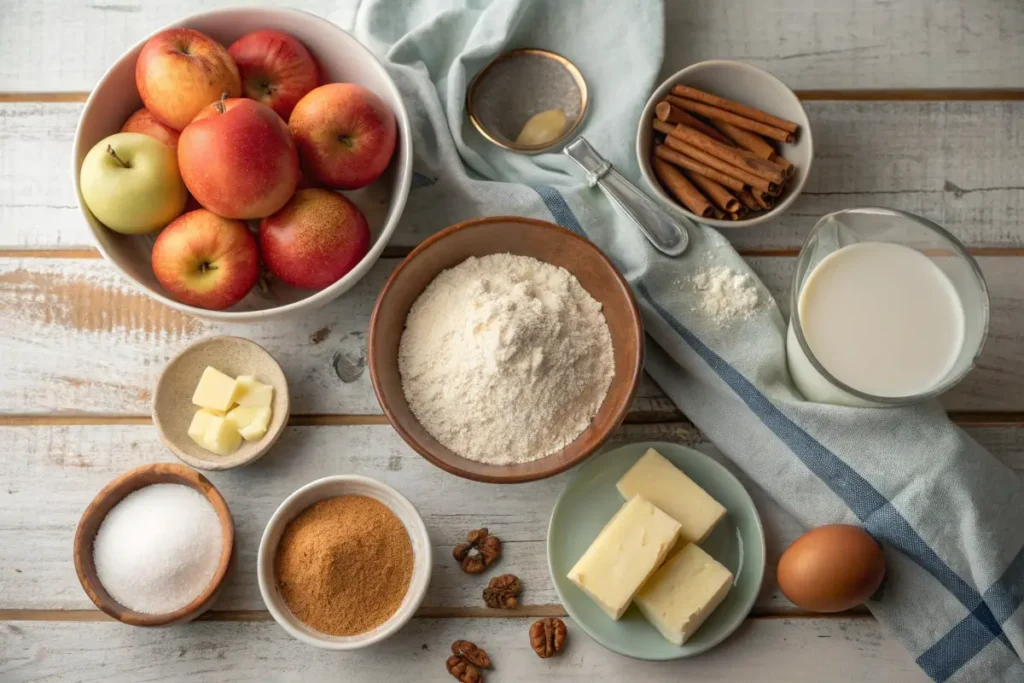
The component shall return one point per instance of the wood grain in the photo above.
(61, 469)
(848, 45)
(770, 650)
(956, 163)
(52, 46)
(60, 307)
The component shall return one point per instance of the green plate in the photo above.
(590, 501)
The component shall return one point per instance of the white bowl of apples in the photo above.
(273, 200)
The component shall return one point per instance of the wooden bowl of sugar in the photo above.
(519, 236)
(110, 497)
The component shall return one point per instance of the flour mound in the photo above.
(505, 359)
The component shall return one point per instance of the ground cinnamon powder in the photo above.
(344, 564)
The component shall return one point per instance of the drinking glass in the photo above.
(843, 228)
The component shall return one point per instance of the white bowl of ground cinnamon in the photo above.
(344, 562)
(725, 143)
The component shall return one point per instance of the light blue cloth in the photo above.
(951, 517)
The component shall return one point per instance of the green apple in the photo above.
(131, 183)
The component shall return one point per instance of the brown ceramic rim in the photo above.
(169, 473)
(529, 149)
(212, 465)
(617, 418)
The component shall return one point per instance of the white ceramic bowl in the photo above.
(341, 58)
(330, 487)
(749, 85)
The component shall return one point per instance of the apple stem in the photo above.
(204, 267)
(119, 160)
(220, 103)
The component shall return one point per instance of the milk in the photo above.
(880, 317)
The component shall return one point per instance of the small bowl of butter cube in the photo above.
(221, 403)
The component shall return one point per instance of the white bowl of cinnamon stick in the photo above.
(725, 143)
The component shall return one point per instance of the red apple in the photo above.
(276, 69)
(345, 135)
(205, 260)
(318, 237)
(144, 122)
(180, 71)
(238, 160)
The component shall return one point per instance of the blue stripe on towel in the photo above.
(559, 208)
(974, 632)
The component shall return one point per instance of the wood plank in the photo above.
(847, 45)
(53, 46)
(61, 308)
(957, 163)
(66, 466)
(790, 650)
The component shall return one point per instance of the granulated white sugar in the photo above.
(159, 548)
(725, 294)
(505, 359)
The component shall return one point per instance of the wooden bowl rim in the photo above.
(270, 437)
(83, 546)
(494, 474)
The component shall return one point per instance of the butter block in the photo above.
(251, 422)
(627, 551)
(683, 593)
(665, 485)
(200, 423)
(214, 391)
(253, 394)
(221, 436)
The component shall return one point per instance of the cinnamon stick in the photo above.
(716, 192)
(738, 215)
(747, 140)
(765, 201)
(748, 200)
(745, 177)
(669, 114)
(681, 188)
(683, 161)
(759, 167)
(735, 107)
(717, 114)
(787, 167)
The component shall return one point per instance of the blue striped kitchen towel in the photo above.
(950, 516)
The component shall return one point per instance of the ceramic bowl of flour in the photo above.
(487, 237)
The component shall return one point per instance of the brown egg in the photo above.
(831, 568)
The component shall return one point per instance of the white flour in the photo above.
(725, 293)
(505, 359)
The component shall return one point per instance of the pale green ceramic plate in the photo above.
(589, 502)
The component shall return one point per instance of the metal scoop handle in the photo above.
(668, 234)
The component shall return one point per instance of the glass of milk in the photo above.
(887, 309)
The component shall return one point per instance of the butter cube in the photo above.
(200, 423)
(664, 485)
(221, 436)
(251, 393)
(251, 422)
(683, 593)
(215, 390)
(628, 550)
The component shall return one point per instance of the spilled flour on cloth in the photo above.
(505, 359)
(725, 294)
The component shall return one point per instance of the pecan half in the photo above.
(463, 670)
(479, 552)
(547, 637)
(502, 591)
(477, 656)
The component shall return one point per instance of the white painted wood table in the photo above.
(916, 105)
